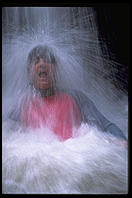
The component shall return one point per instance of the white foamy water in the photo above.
(36, 162)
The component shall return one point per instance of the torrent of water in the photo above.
(42, 164)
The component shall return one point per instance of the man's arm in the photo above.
(90, 113)
(15, 114)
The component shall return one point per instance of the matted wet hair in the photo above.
(41, 51)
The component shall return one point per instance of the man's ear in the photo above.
(28, 69)
(29, 72)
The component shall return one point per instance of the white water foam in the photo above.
(36, 162)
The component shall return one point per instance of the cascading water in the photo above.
(90, 163)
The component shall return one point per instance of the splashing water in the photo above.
(40, 163)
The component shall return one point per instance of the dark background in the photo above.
(113, 21)
(113, 25)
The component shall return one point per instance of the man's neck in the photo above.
(46, 92)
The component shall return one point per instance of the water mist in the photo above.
(90, 163)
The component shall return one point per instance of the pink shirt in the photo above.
(58, 112)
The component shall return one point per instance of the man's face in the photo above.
(42, 74)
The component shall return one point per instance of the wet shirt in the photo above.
(91, 115)
(68, 101)
(58, 113)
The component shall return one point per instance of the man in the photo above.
(60, 110)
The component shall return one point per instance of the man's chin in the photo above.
(45, 92)
(44, 86)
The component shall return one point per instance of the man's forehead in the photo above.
(44, 61)
(43, 64)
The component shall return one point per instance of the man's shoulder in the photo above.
(80, 95)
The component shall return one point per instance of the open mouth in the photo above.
(42, 74)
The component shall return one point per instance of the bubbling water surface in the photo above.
(42, 164)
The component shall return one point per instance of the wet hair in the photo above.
(41, 51)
